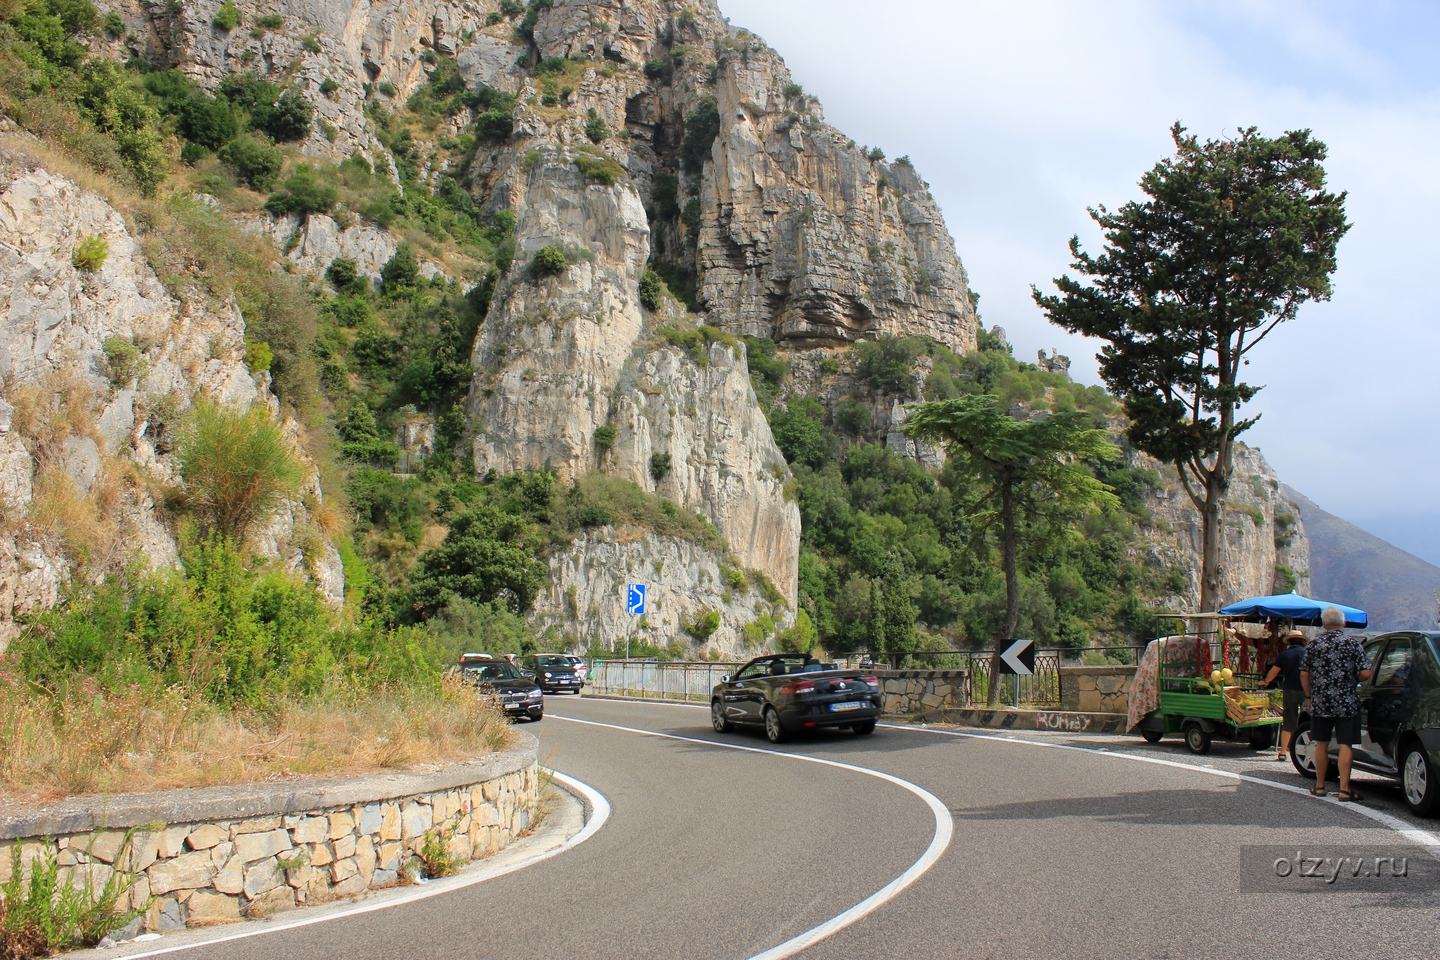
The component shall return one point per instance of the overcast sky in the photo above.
(1020, 115)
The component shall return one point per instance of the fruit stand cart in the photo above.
(1196, 693)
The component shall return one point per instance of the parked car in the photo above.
(553, 671)
(582, 670)
(1399, 719)
(790, 692)
(517, 694)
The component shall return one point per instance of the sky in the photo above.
(1023, 115)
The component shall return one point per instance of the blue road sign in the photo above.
(635, 598)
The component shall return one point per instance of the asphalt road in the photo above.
(1057, 851)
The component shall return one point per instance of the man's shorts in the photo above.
(1294, 700)
(1346, 730)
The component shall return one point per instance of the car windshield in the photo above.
(497, 670)
(552, 661)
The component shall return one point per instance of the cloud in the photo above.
(1023, 115)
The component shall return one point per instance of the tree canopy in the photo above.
(1235, 234)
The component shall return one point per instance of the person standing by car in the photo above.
(1287, 671)
(1334, 666)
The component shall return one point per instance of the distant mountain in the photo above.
(1348, 565)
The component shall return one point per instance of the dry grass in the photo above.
(84, 741)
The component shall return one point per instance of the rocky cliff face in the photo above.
(1264, 549)
(582, 603)
(86, 448)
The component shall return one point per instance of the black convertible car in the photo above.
(517, 694)
(790, 692)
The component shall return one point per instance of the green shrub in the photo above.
(886, 363)
(228, 17)
(310, 45)
(463, 626)
(401, 271)
(484, 557)
(595, 126)
(302, 192)
(254, 161)
(113, 25)
(123, 361)
(328, 86)
(549, 261)
(387, 88)
(238, 468)
(287, 119)
(651, 289)
(605, 436)
(270, 21)
(341, 273)
(90, 253)
(702, 126)
(659, 466)
(704, 625)
(258, 357)
(361, 441)
(43, 912)
(600, 170)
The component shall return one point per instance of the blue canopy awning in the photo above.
(1291, 606)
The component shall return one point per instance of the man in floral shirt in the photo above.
(1334, 666)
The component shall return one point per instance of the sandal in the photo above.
(1281, 758)
(1317, 791)
(1348, 796)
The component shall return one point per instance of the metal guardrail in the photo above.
(665, 680)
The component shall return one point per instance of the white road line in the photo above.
(599, 813)
(1421, 837)
(944, 829)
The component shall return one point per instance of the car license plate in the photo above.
(846, 706)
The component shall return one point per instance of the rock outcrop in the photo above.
(86, 436)
(1263, 548)
(584, 602)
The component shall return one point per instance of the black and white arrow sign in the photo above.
(1019, 658)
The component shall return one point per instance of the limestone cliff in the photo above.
(87, 450)
(1263, 547)
(582, 605)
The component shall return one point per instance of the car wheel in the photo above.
(1152, 736)
(1420, 781)
(863, 727)
(718, 720)
(1302, 755)
(537, 717)
(1196, 738)
(774, 731)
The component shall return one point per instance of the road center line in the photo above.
(944, 829)
(1421, 837)
(599, 812)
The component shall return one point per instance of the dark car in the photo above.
(1399, 719)
(790, 692)
(555, 672)
(516, 693)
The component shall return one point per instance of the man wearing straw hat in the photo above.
(1334, 666)
(1287, 669)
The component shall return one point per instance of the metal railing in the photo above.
(665, 680)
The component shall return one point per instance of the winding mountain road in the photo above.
(979, 845)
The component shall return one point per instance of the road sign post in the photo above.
(636, 595)
(1018, 659)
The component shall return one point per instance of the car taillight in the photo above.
(798, 687)
(873, 681)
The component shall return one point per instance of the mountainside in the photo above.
(550, 297)
(1351, 566)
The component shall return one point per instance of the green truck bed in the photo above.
(1202, 705)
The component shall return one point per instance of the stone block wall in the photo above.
(911, 692)
(1096, 689)
(279, 848)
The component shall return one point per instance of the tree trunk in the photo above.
(1210, 549)
(1012, 585)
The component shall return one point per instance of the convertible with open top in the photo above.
(790, 692)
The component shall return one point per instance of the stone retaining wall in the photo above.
(216, 855)
(910, 693)
(1096, 689)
